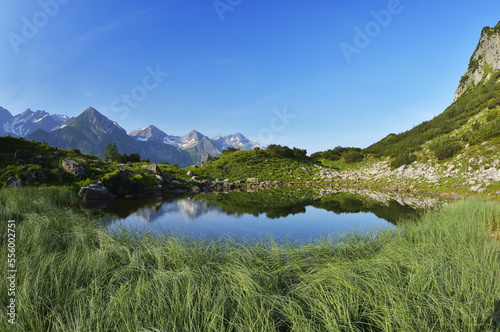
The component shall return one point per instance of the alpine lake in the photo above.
(295, 214)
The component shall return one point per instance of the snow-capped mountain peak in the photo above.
(27, 122)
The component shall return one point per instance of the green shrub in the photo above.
(455, 116)
(403, 159)
(299, 152)
(445, 148)
(353, 157)
(279, 150)
(493, 103)
(492, 115)
(133, 157)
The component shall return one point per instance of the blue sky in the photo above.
(290, 72)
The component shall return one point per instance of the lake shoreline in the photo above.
(352, 284)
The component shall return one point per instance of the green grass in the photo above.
(440, 274)
(260, 164)
(455, 116)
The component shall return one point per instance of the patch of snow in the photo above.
(99, 137)
(59, 127)
(142, 139)
(43, 117)
(188, 144)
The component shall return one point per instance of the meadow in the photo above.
(438, 273)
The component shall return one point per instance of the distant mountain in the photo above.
(27, 122)
(197, 144)
(5, 118)
(153, 134)
(237, 141)
(91, 131)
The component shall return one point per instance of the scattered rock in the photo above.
(14, 182)
(95, 192)
(477, 188)
(31, 177)
(74, 168)
(190, 173)
(123, 173)
(155, 169)
(253, 180)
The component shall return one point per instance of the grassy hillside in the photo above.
(261, 164)
(43, 164)
(37, 158)
(403, 146)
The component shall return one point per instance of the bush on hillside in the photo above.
(229, 149)
(403, 159)
(493, 103)
(299, 152)
(125, 158)
(353, 157)
(445, 148)
(333, 154)
(455, 116)
(279, 150)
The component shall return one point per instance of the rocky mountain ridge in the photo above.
(91, 131)
(27, 122)
(484, 61)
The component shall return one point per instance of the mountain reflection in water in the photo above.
(301, 212)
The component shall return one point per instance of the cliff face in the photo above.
(484, 61)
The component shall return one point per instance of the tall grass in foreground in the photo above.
(440, 274)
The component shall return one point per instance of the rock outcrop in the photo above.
(95, 192)
(74, 168)
(484, 61)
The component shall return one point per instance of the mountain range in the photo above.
(91, 131)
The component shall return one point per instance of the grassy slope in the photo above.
(256, 164)
(455, 116)
(478, 156)
(440, 274)
(50, 164)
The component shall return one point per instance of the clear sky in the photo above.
(311, 74)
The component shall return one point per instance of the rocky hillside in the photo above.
(484, 61)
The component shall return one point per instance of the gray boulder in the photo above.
(74, 168)
(492, 174)
(14, 182)
(253, 180)
(31, 177)
(95, 192)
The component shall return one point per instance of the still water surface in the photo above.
(253, 216)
